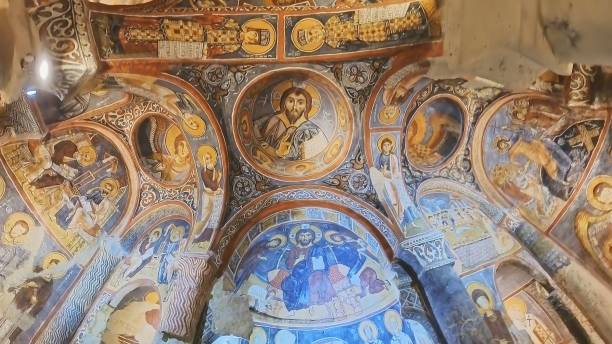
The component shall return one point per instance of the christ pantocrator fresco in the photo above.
(293, 126)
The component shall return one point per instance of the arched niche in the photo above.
(530, 315)
(461, 214)
(530, 153)
(301, 254)
(125, 307)
(203, 174)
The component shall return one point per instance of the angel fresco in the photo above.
(388, 182)
(164, 150)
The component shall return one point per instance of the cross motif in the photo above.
(585, 136)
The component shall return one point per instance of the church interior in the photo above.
(305, 171)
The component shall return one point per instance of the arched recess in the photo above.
(316, 266)
(155, 239)
(192, 118)
(529, 313)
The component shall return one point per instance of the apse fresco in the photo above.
(533, 154)
(456, 211)
(434, 132)
(163, 150)
(293, 125)
(76, 180)
(129, 306)
(315, 275)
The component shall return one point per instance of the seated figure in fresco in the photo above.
(173, 167)
(289, 132)
(308, 283)
(88, 213)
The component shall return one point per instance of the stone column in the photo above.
(588, 292)
(453, 310)
(580, 92)
(66, 321)
(189, 292)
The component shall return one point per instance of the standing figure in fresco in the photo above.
(308, 283)
(175, 235)
(393, 324)
(290, 132)
(146, 250)
(527, 322)
(212, 196)
(175, 166)
(388, 173)
(493, 317)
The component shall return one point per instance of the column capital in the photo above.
(429, 249)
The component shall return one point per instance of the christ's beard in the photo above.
(293, 115)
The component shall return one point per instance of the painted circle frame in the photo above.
(340, 157)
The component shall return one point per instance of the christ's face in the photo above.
(305, 238)
(295, 106)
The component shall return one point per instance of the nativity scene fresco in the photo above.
(298, 172)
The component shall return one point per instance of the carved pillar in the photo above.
(589, 293)
(187, 297)
(580, 91)
(65, 322)
(450, 303)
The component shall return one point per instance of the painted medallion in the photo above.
(293, 125)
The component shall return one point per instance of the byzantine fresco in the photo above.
(531, 155)
(315, 275)
(76, 181)
(129, 306)
(481, 288)
(179, 145)
(203, 37)
(293, 125)
(531, 317)
(370, 28)
(456, 211)
(35, 270)
(163, 150)
(434, 132)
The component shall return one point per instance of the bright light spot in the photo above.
(43, 69)
(31, 93)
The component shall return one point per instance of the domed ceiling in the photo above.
(299, 154)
